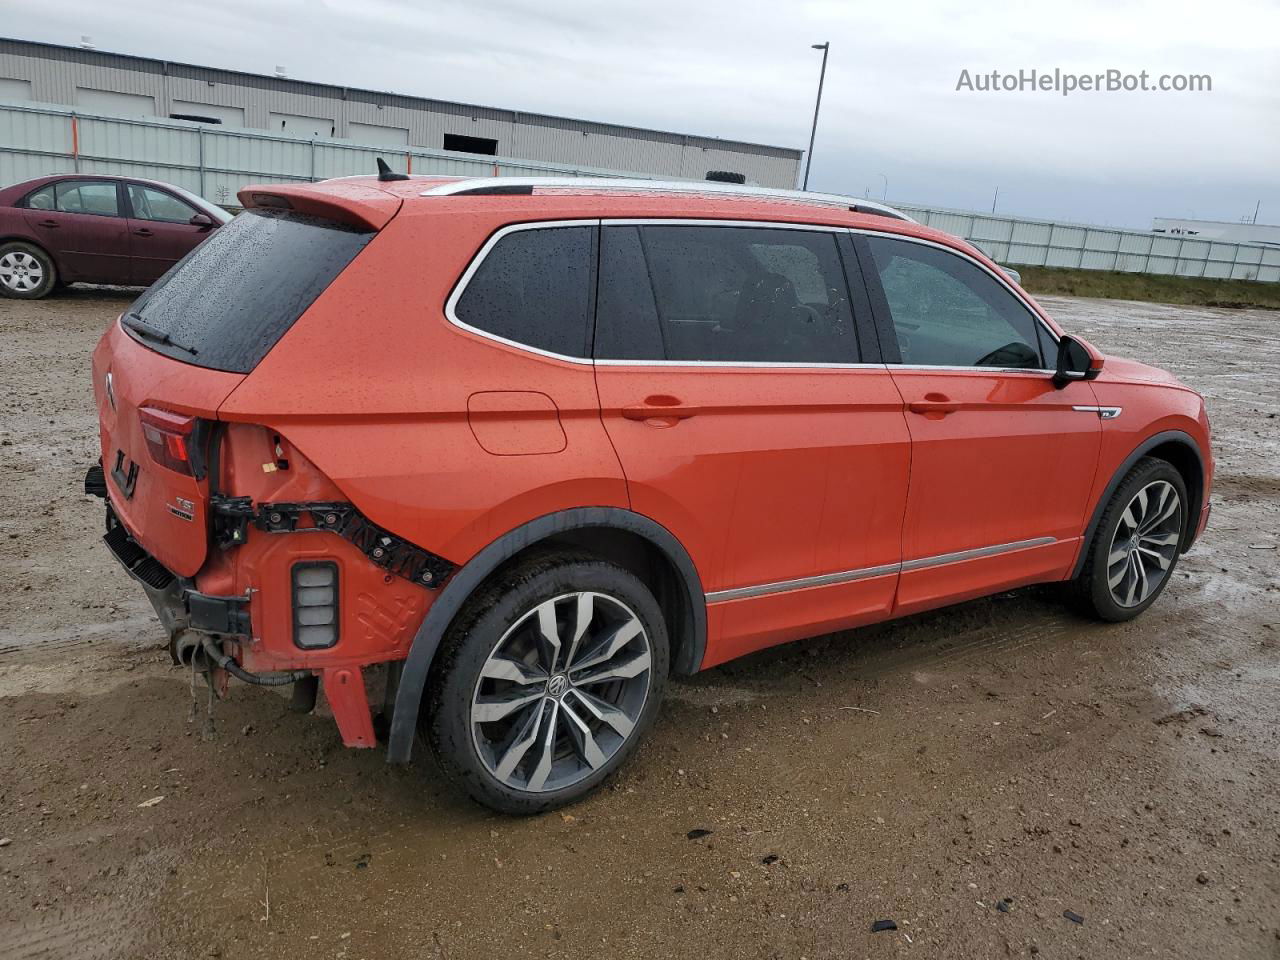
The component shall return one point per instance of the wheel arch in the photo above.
(628, 539)
(31, 242)
(1183, 453)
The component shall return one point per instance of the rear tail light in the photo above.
(315, 604)
(169, 438)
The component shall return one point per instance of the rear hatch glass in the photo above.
(228, 302)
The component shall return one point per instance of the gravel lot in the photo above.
(970, 774)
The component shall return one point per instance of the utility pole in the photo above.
(808, 160)
(994, 199)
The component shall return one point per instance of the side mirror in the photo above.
(201, 220)
(1077, 360)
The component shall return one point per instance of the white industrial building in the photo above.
(1223, 231)
(95, 82)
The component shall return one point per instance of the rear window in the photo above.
(228, 302)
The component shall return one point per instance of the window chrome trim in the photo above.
(965, 255)
(927, 367)
(459, 288)
(743, 364)
(866, 573)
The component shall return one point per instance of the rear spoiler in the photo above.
(359, 205)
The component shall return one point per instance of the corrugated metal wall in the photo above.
(216, 162)
(1044, 243)
(71, 77)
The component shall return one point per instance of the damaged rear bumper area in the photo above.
(177, 603)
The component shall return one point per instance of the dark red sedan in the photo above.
(75, 228)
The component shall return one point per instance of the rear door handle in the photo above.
(143, 232)
(51, 224)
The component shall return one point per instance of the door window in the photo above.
(42, 199)
(728, 294)
(157, 205)
(96, 197)
(947, 311)
(535, 287)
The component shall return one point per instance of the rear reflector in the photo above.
(168, 437)
(315, 604)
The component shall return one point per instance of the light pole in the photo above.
(808, 161)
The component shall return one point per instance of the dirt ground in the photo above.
(971, 773)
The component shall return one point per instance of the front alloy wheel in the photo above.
(1145, 543)
(1136, 545)
(547, 681)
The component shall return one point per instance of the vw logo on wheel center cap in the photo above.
(557, 685)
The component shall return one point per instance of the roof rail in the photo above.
(507, 186)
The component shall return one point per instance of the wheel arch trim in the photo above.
(1194, 508)
(462, 584)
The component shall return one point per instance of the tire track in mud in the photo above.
(93, 934)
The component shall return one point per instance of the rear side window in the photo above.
(226, 303)
(95, 197)
(723, 294)
(947, 311)
(535, 288)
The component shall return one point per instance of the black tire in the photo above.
(482, 626)
(17, 271)
(1092, 592)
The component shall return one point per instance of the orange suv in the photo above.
(505, 454)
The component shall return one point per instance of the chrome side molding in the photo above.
(866, 573)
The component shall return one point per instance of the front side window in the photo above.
(535, 287)
(726, 294)
(87, 196)
(158, 206)
(947, 311)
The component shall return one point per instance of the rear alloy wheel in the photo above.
(1136, 546)
(550, 678)
(26, 271)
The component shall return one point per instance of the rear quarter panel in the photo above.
(373, 385)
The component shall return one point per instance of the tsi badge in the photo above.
(182, 508)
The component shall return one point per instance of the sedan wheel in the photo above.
(26, 272)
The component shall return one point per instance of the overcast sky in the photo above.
(744, 69)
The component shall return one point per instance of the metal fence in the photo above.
(1044, 243)
(216, 162)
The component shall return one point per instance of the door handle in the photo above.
(937, 404)
(662, 409)
(51, 224)
(143, 232)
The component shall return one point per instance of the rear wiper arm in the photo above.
(143, 329)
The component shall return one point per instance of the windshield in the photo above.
(228, 302)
